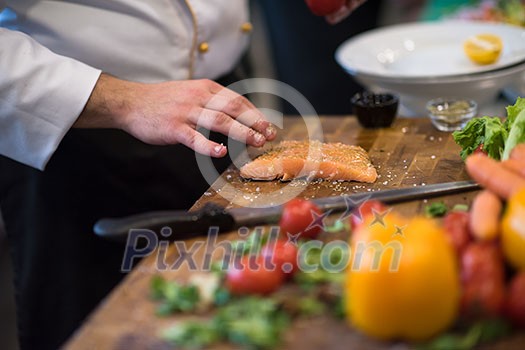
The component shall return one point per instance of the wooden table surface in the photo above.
(410, 153)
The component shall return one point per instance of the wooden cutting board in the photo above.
(411, 153)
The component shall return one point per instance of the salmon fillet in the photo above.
(333, 161)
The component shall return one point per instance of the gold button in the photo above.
(204, 47)
(246, 27)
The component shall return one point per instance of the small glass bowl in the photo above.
(375, 110)
(450, 114)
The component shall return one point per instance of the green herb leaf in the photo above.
(253, 322)
(253, 244)
(221, 296)
(308, 279)
(339, 308)
(460, 207)
(174, 297)
(158, 284)
(311, 306)
(319, 276)
(338, 226)
(192, 334)
(436, 209)
(481, 332)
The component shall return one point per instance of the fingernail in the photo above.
(270, 131)
(218, 149)
(259, 138)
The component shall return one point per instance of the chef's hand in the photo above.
(344, 11)
(169, 113)
(502, 178)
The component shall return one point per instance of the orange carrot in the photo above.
(493, 176)
(484, 216)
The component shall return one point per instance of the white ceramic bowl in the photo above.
(414, 94)
(422, 61)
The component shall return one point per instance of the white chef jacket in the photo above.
(47, 76)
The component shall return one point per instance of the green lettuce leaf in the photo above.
(498, 139)
(471, 136)
(516, 134)
(486, 131)
(513, 111)
(494, 139)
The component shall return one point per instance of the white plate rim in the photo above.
(342, 52)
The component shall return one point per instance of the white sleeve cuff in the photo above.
(41, 96)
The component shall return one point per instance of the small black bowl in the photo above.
(375, 110)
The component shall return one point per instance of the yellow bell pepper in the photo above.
(402, 280)
(513, 230)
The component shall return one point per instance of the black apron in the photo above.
(62, 270)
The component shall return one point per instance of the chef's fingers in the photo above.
(196, 141)
(518, 153)
(225, 124)
(494, 176)
(344, 11)
(516, 166)
(484, 216)
(240, 108)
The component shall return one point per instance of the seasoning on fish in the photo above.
(315, 160)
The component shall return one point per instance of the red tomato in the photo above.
(481, 261)
(481, 299)
(479, 150)
(483, 280)
(283, 254)
(365, 210)
(252, 275)
(456, 225)
(515, 303)
(299, 217)
(324, 7)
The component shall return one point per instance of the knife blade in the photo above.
(184, 224)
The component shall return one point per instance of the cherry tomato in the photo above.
(515, 303)
(479, 150)
(253, 275)
(324, 7)
(299, 217)
(283, 254)
(456, 225)
(364, 210)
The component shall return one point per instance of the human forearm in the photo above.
(108, 105)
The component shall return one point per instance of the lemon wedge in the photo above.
(483, 48)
